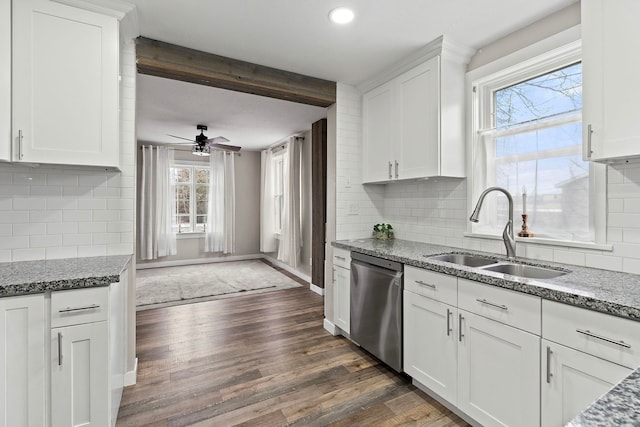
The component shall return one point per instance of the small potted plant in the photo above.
(383, 231)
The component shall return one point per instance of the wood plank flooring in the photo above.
(264, 360)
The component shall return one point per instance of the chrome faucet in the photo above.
(507, 233)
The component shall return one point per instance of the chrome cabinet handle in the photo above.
(20, 137)
(340, 257)
(589, 132)
(500, 306)
(390, 166)
(59, 348)
(460, 334)
(549, 374)
(86, 307)
(600, 337)
(396, 169)
(449, 329)
(420, 282)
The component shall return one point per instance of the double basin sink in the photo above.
(505, 267)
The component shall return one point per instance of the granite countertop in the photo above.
(610, 292)
(28, 277)
(607, 291)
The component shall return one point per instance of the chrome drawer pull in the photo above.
(390, 166)
(420, 282)
(87, 307)
(549, 374)
(449, 328)
(600, 337)
(59, 348)
(500, 306)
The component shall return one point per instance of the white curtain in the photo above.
(267, 208)
(157, 239)
(221, 216)
(291, 235)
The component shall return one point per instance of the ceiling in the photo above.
(297, 36)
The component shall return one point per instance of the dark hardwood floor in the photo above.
(263, 360)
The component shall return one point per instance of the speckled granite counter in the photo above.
(601, 290)
(26, 277)
(610, 292)
(620, 407)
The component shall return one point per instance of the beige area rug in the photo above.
(166, 286)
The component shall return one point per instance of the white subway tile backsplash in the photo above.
(62, 227)
(29, 229)
(6, 203)
(28, 254)
(45, 216)
(28, 203)
(45, 241)
(63, 252)
(62, 180)
(77, 215)
(76, 239)
(14, 242)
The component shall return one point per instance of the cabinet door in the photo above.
(379, 134)
(341, 294)
(610, 83)
(65, 85)
(5, 80)
(418, 142)
(430, 343)
(498, 373)
(571, 380)
(22, 362)
(80, 392)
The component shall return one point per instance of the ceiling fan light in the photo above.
(201, 150)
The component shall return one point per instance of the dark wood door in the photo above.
(318, 200)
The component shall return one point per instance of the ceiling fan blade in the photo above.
(179, 137)
(225, 147)
(218, 140)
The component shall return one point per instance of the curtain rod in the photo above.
(280, 146)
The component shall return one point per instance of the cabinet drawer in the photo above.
(342, 258)
(602, 335)
(438, 286)
(512, 308)
(77, 306)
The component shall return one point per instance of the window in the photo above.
(529, 140)
(191, 185)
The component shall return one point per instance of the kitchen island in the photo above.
(598, 291)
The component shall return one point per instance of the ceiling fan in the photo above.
(202, 145)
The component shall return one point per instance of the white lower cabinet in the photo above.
(498, 372)
(571, 380)
(22, 361)
(341, 297)
(430, 344)
(80, 375)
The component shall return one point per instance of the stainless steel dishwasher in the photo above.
(376, 307)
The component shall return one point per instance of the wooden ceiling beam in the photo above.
(167, 60)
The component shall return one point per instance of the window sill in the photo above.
(547, 242)
(190, 235)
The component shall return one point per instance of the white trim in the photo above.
(192, 261)
(288, 268)
(190, 235)
(317, 289)
(330, 327)
(115, 8)
(543, 241)
(131, 377)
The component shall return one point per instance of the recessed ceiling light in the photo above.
(341, 15)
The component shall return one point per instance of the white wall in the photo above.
(49, 212)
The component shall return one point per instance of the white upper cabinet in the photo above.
(65, 85)
(413, 123)
(5, 80)
(610, 42)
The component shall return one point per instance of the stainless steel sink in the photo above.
(464, 259)
(527, 271)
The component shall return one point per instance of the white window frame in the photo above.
(185, 164)
(278, 168)
(527, 63)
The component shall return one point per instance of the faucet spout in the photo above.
(507, 233)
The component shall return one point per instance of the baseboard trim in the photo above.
(445, 403)
(288, 268)
(317, 289)
(181, 262)
(330, 327)
(130, 378)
